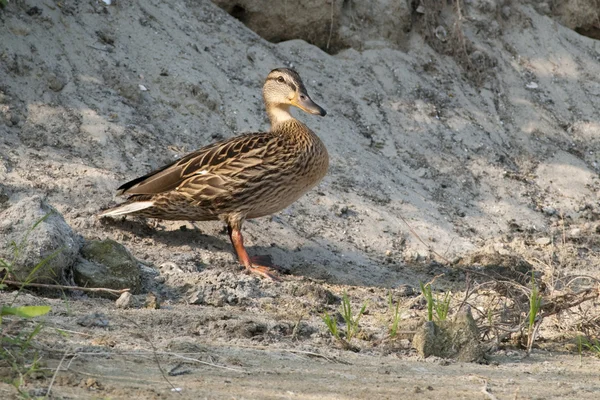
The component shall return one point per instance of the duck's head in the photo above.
(284, 88)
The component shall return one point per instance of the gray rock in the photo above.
(458, 339)
(405, 290)
(125, 300)
(96, 319)
(56, 81)
(107, 264)
(575, 232)
(430, 340)
(152, 301)
(36, 241)
(550, 211)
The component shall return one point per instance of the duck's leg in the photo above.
(235, 235)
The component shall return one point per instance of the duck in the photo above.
(248, 176)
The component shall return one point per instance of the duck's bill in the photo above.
(306, 104)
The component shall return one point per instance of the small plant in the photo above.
(591, 345)
(15, 348)
(24, 311)
(331, 325)
(580, 349)
(441, 306)
(426, 291)
(535, 303)
(395, 318)
(351, 321)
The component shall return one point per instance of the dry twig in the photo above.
(116, 292)
(55, 374)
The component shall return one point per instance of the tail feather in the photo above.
(127, 208)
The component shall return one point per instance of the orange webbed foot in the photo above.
(264, 271)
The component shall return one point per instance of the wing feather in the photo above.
(226, 158)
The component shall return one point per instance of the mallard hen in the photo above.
(248, 176)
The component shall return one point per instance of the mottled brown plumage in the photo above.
(248, 176)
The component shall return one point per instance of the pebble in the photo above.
(543, 241)
(56, 83)
(152, 302)
(575, 232)
(96, 319)
(549, 210)
(405, 290)
(124, 301)
(343, 211)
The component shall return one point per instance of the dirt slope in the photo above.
(409, 135)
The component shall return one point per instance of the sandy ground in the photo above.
(434, 159)
(222, 353)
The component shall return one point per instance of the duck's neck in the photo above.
(278, 114)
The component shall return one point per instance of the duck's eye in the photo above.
(280, 79)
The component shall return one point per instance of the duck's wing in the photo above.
(211, 166)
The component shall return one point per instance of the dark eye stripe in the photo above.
(290, 84)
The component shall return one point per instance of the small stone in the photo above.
(92, 384)
(405, 290)
(169, 267)
(106, 37)
(550, 211)
(196, 298)
(428, 340)
(531, 85)
(56, 82)
(152, 302)
(34, 11)
(411, 256)
(15, 119)
(124, 301)
(543, 241)
(96, 319)
(441, 33)
(543, 8)
(575, 232)
(342, 211)
(38, 392)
